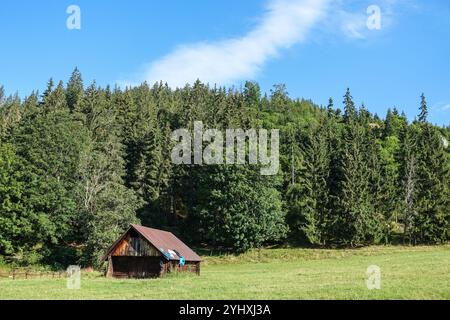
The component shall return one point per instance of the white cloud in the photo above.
(349, 18)
(353, 25)
(441, 107)
(285, 23)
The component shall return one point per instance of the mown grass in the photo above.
(407, 273)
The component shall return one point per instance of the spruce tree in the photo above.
(350, 113)
(330, 107)
(2, 96)
(433, 217)
(308, 198)
(423, 116)
(357, 222)
(74, 92)
(252, 93)
(107, 205)
(409, 181)
(45, 96)
(13, 220)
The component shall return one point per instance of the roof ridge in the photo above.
(149, 228)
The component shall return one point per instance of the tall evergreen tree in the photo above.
(308, 198)
(357, 222)
(409, 178)
(433, 199)
(330, 107)
(423, 116)
(350, 112)
(12, 218)
(107, 205)
(74, 92)
(252, 93)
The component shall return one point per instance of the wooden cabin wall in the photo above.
(109, 271)
(144, 249)
(135, 257)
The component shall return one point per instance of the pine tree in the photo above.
(423, 116)
(48, 146)
(279, 97)
(10, 114)
(409, 180)
(252, 93)
(31, 104)
(433, 218)
(47, 92)
(308, 198)
(107, 206)
(350, 114)
(12, 221)
(2, 95)
(330, 107)
(394, 124)
(59, 97)
(357, 222)
(74, 92)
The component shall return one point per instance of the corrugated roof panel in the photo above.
(165, 241)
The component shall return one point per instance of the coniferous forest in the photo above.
(79, 163)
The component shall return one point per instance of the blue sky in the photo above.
(317, 48)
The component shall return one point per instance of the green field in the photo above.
(407, 273)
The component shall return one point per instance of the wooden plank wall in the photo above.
(124, 248)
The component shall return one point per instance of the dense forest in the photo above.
(79, 163)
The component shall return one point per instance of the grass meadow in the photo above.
(406, 273)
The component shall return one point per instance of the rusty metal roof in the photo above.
(165, 242)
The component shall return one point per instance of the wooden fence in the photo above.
(17, 274)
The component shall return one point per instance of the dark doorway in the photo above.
(136, 267)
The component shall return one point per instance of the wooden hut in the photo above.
(148, 253)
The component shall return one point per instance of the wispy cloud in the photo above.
(349, 18)
(353, 25)
(285, 23)
(441, 106)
